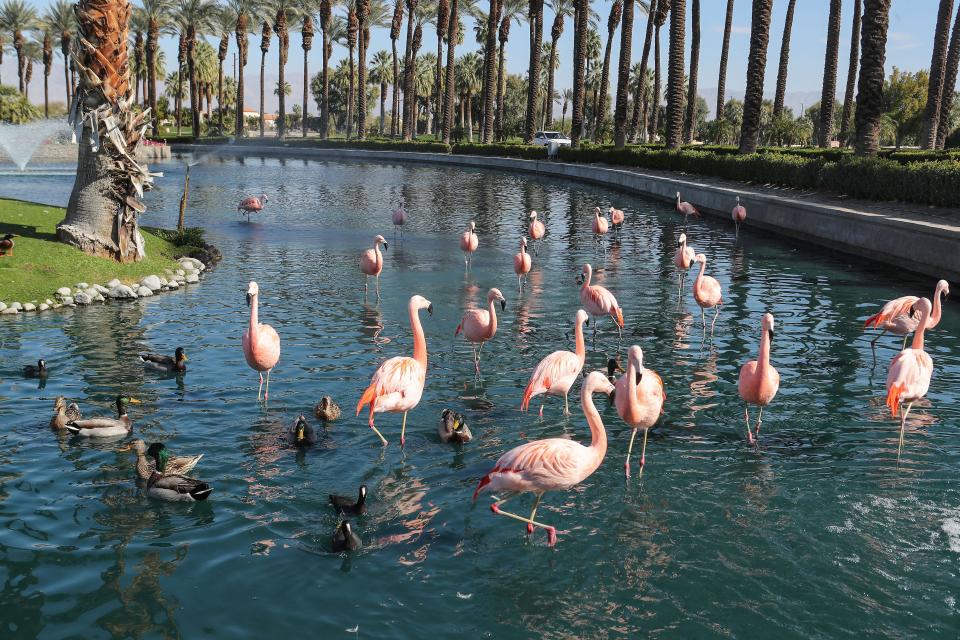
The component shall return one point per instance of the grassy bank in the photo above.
(41, 265)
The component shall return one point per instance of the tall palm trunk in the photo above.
(443, 18)
(264, 47)
(640, 93)
(65, 41)
(690, 123)
(241, 36)
(535, 17)
(383, 102)
(306, 43)
(555, 32)
(395, 27)
(194, 90)
(490, 72)
(581, 22)
(363, 12)
(408, 72)
(414, 112)
(851, 75)
(757, 62)
(613, 21)
(663, 10)
(675, 75)
(724, 55)
(449, 95)
(873, 53)
(101, 217)
(18, 42)
(352, 27)
(469, 102)
(47, 63)
(283, 42)
(326, 14)
(949, 83)
(784, 61)
(178, 99)
(504, 35)
(938, 63)
(138, 56)
(221, 56)
(623, 77)
(829, 96)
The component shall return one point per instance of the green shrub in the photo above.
(508, 150)
(372, 145)
(932, 183)
(191, 236)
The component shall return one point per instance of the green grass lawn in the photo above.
(40, 265)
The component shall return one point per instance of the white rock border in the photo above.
(187, 272)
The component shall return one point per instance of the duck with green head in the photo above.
(157, 458)
(103, 427)
(301, 434)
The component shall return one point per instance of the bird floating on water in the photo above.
(175, 364)
(104, 427)
(344, 539)
(157, 459)
(453, 427)
(327, 410)
(349, 506)
(38, 370)
(301, 434)
(64, 413)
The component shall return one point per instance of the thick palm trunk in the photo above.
(690, 123)
(306, 39)
(829, 96)
(640, 93)
(408, 72)
(449, 96)
(351, 95)
(394, 121)
(851, 75)
(501, 78)
(932, 113)
(535, 18)
(363, 10)
(873, 53)
(581, 24)
(241, 36)
(616, 11)
(949, 83)
(654, 128)
(65, 40)
(221, 56)
(265, 33)
(784, 61)
(724, 55)
(623, 77)
(383, 102)
(675, 75)
(283, 42)
(21, 61)
(757, 61)
(194, 90)
(490, 76)
(555, 32)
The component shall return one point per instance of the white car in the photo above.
(544, 138)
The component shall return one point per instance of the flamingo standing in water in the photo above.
(536, 231)
(683, 260)
(739, 214)
(522, 263)
(598, 301)
(371, 264)
(639, 401)
(616, 219)
(480, 325)
(910, 372)
(558, 371)
(468, 243)
(759, 380)
(707, 293)
(397, 385)
(399, 218)
(899, 316)
(600, 226)
(261, 344)
(686, 209)
(252, 204)
(554, 464)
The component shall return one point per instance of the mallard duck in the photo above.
(160, 460)
(7, 244)
(613, 368)
(177, 488)
(176, 364)
(453, 427)
(327, 410)
(344, 539)
(38, 370)
(301, 434)
(105, 427)
(63, 413)
(346, 505)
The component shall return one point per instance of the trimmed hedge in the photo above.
(372, 145)
(504, 150)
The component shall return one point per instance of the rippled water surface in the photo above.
(819, 533)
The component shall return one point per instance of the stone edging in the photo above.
(926, 245)
(84, 294)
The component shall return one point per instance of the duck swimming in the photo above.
(104, 427)
(344, 539)
(176, 364)
(160, 460)
(177, 488)
(327, 410)
(38, 370)
(301, 434)
(453, 427)
(63, 413)
(348, 506)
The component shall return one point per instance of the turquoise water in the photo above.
(819, 533)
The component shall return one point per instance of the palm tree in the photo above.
(938, 63)
(423, 78)
(284, 12)
(829, 96)
(224, 19)
(490, 69)
(101, 217)
(566, 96)
(63, 23)
(562, 9)
(442, 24)
(689, 123)
(381, 72)
(613, 21)
(784, 61)
(362, 10)
(265, 34)
(949, 82)
(581, 28)
(724, 54)
(16, 16)
(756, 63)
(395, 25)
(32, 53)
(181, 59)
(336, 32)
(591, 53)
(47, 49)
(326, 25)
(408, 107)
(351, 43)
(663, 10)
(623, 73)
(195, 15)
(469, 81)
(245, 10)
(535, 18)
(425, 13)
(851, 75)
(641, 76)
(139, 25)
(307, 10)
(205, 57)
(675, 96)
(873, 50)
(510, 10)
(449, 95)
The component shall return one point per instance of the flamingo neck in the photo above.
(763, 359)
(254, 319)
(587, 276)
(935, 316)
(419, 341)
(703, 268)
(493, 317)
(918, 334)
(581, 349)
(632, 370)
(598, 435)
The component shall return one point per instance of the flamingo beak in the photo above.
(249, 299)
(430, 308)
(612, 396)
(586, 322)
(385, 245)
(639, 376)
(770, 333)
(503, 305)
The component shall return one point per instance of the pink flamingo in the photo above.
(639, 400)
(558, 371)
(261, 344)
(468, 243)
(522, 263)
(707, 293)
(554, 464)
(739, 214)
(600, 226)
(598, 301)
(480, 325)
(536, 231)
(399, 218)
(899, 316)
(683, 260)
(910, 371)
(397, 384)
(371, 264)
(759, 380)
(252, 204)
(616, 218)
(686, 209)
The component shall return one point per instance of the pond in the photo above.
(818, 533)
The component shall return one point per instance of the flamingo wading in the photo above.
(707, 293)
(683, 260)
(739, 214)
(536, 231)
(558, 371)
(900, 317)
(598, 301)
(759, 380)
(686, 209)
(480, 325)
(521, 263)
(261, 343)
(639, 401)
(399, 218)
(252, 204)
(910, 372)
(469, 243)
(371, 264)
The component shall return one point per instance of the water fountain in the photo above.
(21, 141)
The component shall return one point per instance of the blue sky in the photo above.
(909, 47)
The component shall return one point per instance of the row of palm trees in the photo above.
(637, 96)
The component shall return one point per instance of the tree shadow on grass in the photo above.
(27, 231)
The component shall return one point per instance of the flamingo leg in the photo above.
(703, 320)
(378, 287)
(260, 390)
(626, 464)
(377, 431)
(566, 405)
(551, 531)
(680, 288)
(643, 453)
(365, 279)
(520, 283)
(759, 420)
(737, 232)
(403, 429)
(476, 358)
(266, 393)
(543, 402)
(715, 316)
(903, 424)
(533, 514)
(746, 417)
(904, 345)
